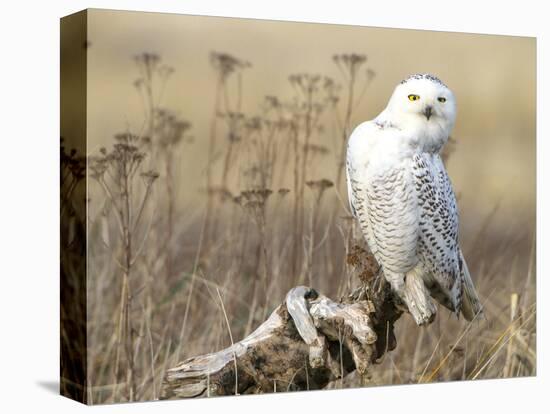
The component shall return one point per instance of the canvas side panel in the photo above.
(73, 206)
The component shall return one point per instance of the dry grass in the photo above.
(173, 274)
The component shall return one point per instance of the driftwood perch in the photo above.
(308, 341)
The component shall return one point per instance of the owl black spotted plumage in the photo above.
(400, 193)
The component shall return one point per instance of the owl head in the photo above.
(424, 103)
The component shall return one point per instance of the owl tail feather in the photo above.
(471, 306)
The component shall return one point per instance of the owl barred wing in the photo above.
(356, 178)
(386, 208)
(393, 215)
(438, 242)
(359, 205)
(382, 197)
(451, 271)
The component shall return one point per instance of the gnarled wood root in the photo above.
(308, 341)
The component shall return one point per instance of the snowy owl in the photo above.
(400, 193)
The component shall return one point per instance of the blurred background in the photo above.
(215, 150)
(493, 78)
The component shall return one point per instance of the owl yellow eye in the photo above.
(442, 99)
(414, 97)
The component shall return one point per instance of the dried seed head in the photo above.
(126, 138)
(349, 62)
(149, 177)
(253, 124)
(226, 64)
(332, 91)
(169, 128)
(77, 167)
(254, 202)
(363, 262)
(319, 187)
(98, 166)
(147, 60)
(320, 184)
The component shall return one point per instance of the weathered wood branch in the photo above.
(308, 341)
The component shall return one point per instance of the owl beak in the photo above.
(428, 112)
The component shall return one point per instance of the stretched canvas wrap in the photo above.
(253, 206)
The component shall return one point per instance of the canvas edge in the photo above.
(73, 229)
